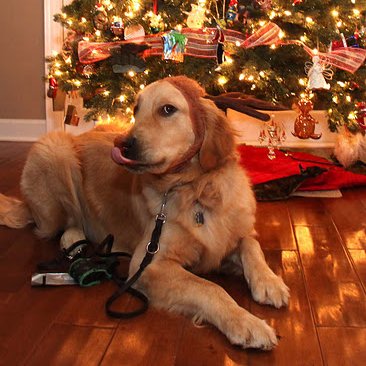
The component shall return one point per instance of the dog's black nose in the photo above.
(129, 146)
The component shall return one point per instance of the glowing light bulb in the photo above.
(106, 93)
(302, 82)
(352, 116)
(237, 44)
(77, 83)
(131, 73)
(98, 33)
(58, 72)
(287, 13)
(262, 74)
(222, 80)
(339, 23)
(335, 99)
(356, 12)
(241, 77)
(250, 77)
(142, 86)
(122, 98)
(309, 20)
(273, 46)
(334, 13)
(83, 20)
(348, 98)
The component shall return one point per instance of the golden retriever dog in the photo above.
(180, 145)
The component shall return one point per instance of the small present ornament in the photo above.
(71, 117)
(174, 46)
(117, 27)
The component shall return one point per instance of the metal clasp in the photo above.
(150, 251)
(161, 216)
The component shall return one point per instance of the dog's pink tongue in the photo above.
(120, 159)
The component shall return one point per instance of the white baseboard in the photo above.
(22, 129)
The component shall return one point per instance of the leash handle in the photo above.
(151, 249)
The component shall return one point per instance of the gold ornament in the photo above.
(305, 123)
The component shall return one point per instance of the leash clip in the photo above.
(161, 216)
(148, 250)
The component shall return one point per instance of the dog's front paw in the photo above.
(270, 289)
(248, 331)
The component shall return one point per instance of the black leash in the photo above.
(90, 267)
(151, 249)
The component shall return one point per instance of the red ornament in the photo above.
(361, 115)
(296, 2)
(52, 88)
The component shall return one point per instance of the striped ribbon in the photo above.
(200, 44)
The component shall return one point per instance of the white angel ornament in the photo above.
(317, 72)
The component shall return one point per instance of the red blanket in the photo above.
(261, 169)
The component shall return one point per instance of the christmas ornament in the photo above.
(263, 4)
(135, 33)
(361, 115)
(219, 37)
(174, 46)
(71, 117)
(196, 17)
(296, 2)
(100, 17)
(232, 12)
(305, 123)
(317, 71)
(274, 133)
(129, 58)
(88, 71)
(52, 87)
(117, 26)
(155, 21)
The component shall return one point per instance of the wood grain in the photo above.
(317, 245)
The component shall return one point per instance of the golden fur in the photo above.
(71, 184)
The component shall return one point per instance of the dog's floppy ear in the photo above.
(218, 144)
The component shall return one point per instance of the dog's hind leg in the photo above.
(266, 287)
(50, 182)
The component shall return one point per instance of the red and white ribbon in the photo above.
(200, 44)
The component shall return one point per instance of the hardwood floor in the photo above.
(317, 245)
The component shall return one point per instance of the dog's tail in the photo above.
(14, 213)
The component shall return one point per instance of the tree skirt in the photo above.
(286, 167)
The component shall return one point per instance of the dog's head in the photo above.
(173, 125)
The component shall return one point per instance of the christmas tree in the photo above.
(275, 50)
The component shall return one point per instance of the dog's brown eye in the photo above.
(167, 110)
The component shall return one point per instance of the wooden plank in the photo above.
(298, 343)
(349, 215)
(71, 345)
(150, 339)
(359, 259)
(85, 307)
(207, 345)
(343, 346)
(308, 211)
(26, 319)
(335, 293)
(274, 226)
